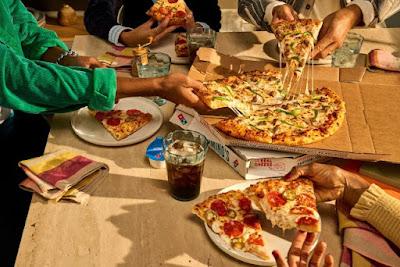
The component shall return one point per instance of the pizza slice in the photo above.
(244, 91)
(231, 216)
(181, 46)
(122, 123)
(287, 204)
(297, 39)
(174, 9)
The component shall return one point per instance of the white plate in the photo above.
(90, 130)
(275, 238)
(167, 46)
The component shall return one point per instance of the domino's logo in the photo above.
(182, 119)
(236, 163)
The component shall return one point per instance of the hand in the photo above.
(141, 34)
(82, 61)
(334, 30)
(300, 251)
(283, 13)
(181, 89)
(331, 182)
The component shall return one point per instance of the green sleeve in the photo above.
(39, 87)
(34, 39)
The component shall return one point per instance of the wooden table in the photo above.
(131, 220)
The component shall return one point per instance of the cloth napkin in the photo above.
(363, 245)
(63, 174)
(119, 58)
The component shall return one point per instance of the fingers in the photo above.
(295, 250)
(284, 13)
(318, 255)
(306, 250)
(280, 261)
(327, 50)
(160, 35)
(94, 63)
(322, 45)
(296, 172)
(329, 262)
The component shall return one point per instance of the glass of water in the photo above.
(346, 56)
(157, 65)
(199, 37)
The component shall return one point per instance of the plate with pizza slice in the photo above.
(251, 219)
(131, 121)
(175, 45)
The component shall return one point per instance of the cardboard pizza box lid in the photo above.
(370, 131)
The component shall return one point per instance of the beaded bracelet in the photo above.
(69, 52)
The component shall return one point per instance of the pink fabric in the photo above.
(64, 170)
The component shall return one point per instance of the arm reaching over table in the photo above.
(369, 203)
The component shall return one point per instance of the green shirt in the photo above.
(31, 85)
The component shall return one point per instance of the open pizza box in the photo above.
(371, 130)
(250, 163)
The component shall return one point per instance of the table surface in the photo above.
(131, 220)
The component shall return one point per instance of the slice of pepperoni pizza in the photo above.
(287, 204)
(122, 123)
(181, 46)
(174, 9)
(231, 216)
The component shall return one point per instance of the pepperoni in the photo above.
(256, 240)
(181, 41)
(307, 220)
(301, 210)
(113, 121)
(180, 14)
(133, 112)
(276, 199)
(306, 200)
(164, 11)
(100, 116)
(245, 204)
(233, 228)
(260, 194)
(252, 220)
(219, 207)
(172, 1)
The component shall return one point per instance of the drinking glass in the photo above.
(199, 37)
(184, 153)
(346, 56)
(157, 65)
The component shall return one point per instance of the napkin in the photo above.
(381, 59)
(363, 245)
(63, 174)
(119, 58)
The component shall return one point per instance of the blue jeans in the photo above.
(22, 136)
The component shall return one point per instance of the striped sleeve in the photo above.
(253, 11)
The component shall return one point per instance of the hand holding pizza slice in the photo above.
(175, 10)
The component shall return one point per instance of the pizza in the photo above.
(174, 9)
(181, 46)
(287, 204)
(304, 120)
(296, 40)
(230, 215)
(122, 123)
(243, 91)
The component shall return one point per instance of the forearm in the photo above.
(38, 86)
(380, 210)
(139, 87)
(52, 54)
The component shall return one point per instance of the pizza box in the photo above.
(250, 163)
(370, 131)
